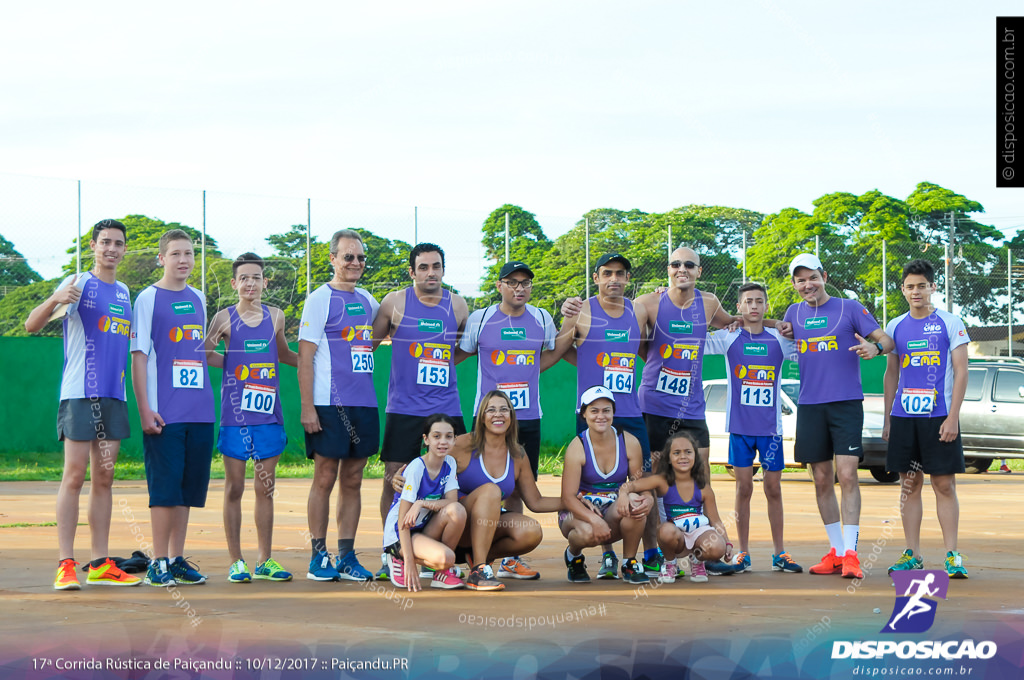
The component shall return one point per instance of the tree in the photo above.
(292, 243)
(16, 306)
(527, 243)
(14, 270)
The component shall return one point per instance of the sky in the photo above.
(370, 109)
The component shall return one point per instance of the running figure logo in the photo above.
(914, 612)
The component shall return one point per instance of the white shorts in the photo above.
(693, 526)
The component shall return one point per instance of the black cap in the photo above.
(613, 257)
(513, 267)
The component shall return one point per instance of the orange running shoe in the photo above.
(516, 567)
(851, 565)
(66, 578)
(830, 564)
(109, 574)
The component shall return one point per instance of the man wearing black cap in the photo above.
(515, 341)
(608, 332)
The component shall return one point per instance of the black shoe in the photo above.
(632, 572)
(577, 568)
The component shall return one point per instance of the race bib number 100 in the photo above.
(432, 372)
(187, 374)
(258, 398)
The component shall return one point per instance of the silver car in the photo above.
(992, 416)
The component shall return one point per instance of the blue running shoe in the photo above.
(185, 572)
(271, 571)
(720, 568)
(348, 568)
(321, 569)
(784, 563)
(239, 573)
(159, 574)
(742, 562)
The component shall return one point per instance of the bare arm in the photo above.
(220, 329)
(39, 316)
(529, 492)
(285, 354)
(309, 419)
(711, 511)
(152, 423)
(384, 322)
(890, 382)
(950, 427)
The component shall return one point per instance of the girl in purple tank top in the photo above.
(694, 529)
(597, 464)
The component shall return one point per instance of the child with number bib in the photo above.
(694, 528)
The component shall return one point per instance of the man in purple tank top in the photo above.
(172, 388)
(251, 421)
(92, 418)
(425, 323)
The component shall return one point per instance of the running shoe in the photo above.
(955, 565)
(321, 569)
(698, 572)
(784, 563)
(830, 564)
(1005, 468)
(851, 565)
(383, 574)
(632, 572)
(669, 572)
(396, 571)
(271, 570)
(482, 578)
(446, 580)
(109, 574)
(239, 573)
(652, 564)
(66, 578)
(609, 567)
(516, 567)
(349, 568)
(426, 572)
(907, 561)
(742, 562)
(577, 568)
(185, 572)
(719, 568)
(159, 574)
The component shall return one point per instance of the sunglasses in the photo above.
(348, 257)
(676, 264)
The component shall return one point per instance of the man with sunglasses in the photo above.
(425, 323)
(339, 404)
(515, 341)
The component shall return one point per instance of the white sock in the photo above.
(851, 532)
(571, 556)
(835, 537)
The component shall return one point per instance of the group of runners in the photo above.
(637, 472)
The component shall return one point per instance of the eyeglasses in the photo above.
(348, 257)
(525, 284)
(501, 410)
(689, 264)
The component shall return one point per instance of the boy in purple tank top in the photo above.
(925, 384)
(830, 334)
(175, 399)
(425, 323)
(754, 356)
(251, 423)
(93, 416)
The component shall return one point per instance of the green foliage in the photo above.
(14, 270)
(16, 306)
(292, 243)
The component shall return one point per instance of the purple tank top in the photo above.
(608, 357)
(423, 360)
(509, 360)
(671, 384)
(676, 507)
(249, 387)
(592, 480)
(475, 475)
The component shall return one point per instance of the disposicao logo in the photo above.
(914, 611)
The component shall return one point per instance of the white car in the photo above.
(715, 396)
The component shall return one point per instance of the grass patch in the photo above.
(19, 525)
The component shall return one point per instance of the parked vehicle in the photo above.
(715, 396)
(992, 416)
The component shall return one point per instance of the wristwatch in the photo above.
(881, 350)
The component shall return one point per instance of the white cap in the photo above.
(804, 260)
(592, 394)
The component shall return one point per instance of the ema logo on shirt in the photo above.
(513, 334)
(257, 346)
(431, 325)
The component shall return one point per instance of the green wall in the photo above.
(32, 372)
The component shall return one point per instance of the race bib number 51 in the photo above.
(518, 394)
(187, 374)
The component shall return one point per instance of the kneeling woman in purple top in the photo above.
(491, 463)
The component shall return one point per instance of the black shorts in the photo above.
(529, 437)
(660, 428)
(914, 445)
(827, 430)
(178, 464)
(86, 420)
(403, 437)
(348, 432)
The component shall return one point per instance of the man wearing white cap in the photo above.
(830, 417)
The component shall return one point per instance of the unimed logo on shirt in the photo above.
(680, 327)
(183, 308)
(431, 325)
(354, 308)
(756, 349)
(257, 346)
(513, 334)
(116, 309)
(820, 322)
(917, 344)
(616, 335)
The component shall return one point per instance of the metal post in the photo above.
(78, 241)
(817, 247)
(309, 268)
(586, 247)
(415, 225)
(744, 256)
(885, 286)
(669, 253)
(949, 269)
(1009, 302)
(506, 237)
(202, 254)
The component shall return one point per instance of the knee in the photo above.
(945, 486)
(351, 479)
(324, 476)
(455, 512)
(667, 534)
(744, 489)
(773, 491)
(531, 534)
(73, 479)
(233, 490)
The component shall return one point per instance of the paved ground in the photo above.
(761, 622)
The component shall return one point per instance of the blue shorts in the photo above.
(742, 448)
(634, 426)
(178, 464)
(346, 432)
(252, 441)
